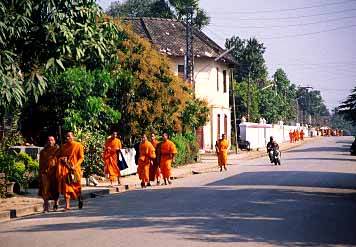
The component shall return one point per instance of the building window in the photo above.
(217, 79)
(225, 125)
(181, 71)
(218, 125)
(224, 81)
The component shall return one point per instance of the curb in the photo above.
(86, 194)
(91, 194)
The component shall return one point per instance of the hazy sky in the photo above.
(313, 41)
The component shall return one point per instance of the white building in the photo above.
(212, 79)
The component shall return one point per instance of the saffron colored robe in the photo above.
(146, 153)
(301, 135)
(223, 146)
(167, 151)
(154, 168)
(74, 151)
(48, 184)
(110, 158)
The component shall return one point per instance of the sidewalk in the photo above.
(28, 204)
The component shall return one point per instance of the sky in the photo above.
(313, 41)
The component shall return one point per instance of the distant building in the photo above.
(212, 79)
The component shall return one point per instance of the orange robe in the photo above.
(290, 136)
(154, 168)
(75, 153)
(301, 135)
(147, 152)
(48, 185)
(168, 150)
(110, 157)
(223, 146)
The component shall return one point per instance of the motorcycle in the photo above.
(275, 156)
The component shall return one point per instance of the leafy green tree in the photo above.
(195, 115)
(348, 107)
(39, 35)
(338, 121)
(249, 55)
(241, 97)
(176, 9)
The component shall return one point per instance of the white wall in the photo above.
(208, 87)
(258, 134)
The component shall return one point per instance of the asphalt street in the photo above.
(310, 200)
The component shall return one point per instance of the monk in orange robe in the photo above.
(290, 136)
(167, 152)
(146, 154)
(301, 135)
(69, 173)
(223, 146)
(48, 186)
(111, 149)
(155, 172)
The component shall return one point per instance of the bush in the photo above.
(93, 150)
(187, 147)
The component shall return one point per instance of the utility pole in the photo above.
(248, 95)
(234, 104)
(189, 56)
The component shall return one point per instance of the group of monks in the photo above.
(60, 167)
(221, 147)
(331, 132)
(296, 135)
(60, 172)
(154, 159)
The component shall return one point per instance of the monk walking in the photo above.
(290, 136)
(223, 145)
(155, 173)
(112, 147)
(48, 186)
(167, 152)
(301, 135)
(146, 154)
(71, 157)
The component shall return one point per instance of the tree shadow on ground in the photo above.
(320, 149)
(325, 159)
(223, 212)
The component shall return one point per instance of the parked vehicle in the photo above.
(353, 148)
(244, 145)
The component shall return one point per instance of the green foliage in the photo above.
(187, 147)
(195, 115)
(249, 55)
(93, 150)
(348, 107)
(173, 9)
(338, 121)
(37, 36)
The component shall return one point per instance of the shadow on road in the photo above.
(320, 149)
(326, 159)
(222, 214)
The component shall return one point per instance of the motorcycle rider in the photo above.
(271, 146)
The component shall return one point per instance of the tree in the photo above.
(249, 55)
(348, 107)
(39, 35)
(176, 9)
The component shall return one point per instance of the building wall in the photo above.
(209, 85)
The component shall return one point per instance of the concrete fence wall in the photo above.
(258, 134)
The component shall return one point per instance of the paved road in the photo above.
(308, 201)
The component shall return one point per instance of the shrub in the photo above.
(187, 148)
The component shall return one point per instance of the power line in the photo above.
(311, 33)
(284, 10)
(291, 17)
(289, 25)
